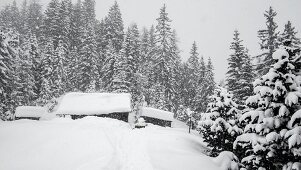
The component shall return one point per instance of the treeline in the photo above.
(256, 115)
(45, 54)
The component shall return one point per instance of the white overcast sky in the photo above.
(210, 23)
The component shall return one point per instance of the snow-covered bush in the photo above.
(227, 160)
(272, 131)
(219, 124)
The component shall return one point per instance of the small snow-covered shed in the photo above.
(30, 112)
(157, 116)
(114, 105)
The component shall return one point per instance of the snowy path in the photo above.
(98, 143)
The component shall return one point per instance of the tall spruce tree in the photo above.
(268, 42)
(35, 18)
(58, 71)
(65, 11)
(114, 27)
(209, 81)
(193, 71)
(26, 70)
(175, 52)
(239, 74)
(76, 25)
(202, 96)
(88, 59)
(51, 27)
(164, 58)
(47, 65)
(7, 75)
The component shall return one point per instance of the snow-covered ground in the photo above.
(99, 143)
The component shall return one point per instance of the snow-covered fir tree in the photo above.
(89, 11)
(193, 73)
(271, 138)
(26, 73)
(201, 98)
(121, 81)
(51, 26)
(207, 86)
(175, 52)
(76, 25)
(7, 73)
(107, 71)
(239, 75)
(219, 124)
(290, 34)
(164, 58)
(114, 27)
(65, 10)
(88, 59)
(34, 18)
(268, 42)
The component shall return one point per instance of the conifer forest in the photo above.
(253, 115)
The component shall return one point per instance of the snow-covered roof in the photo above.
(94, 103)
(30, 111)
(157, 113)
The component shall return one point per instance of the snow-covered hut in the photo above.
(30, 112)
(157, 116)
(114, 105)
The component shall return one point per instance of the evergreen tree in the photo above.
(144, 50)
(7, 74)
(58, 72)
(164, 59)
(121, 80)
(88, 59)
(148, 47)
(289, 34)
(45, 95)
(46, 91)
(206, 86)
(25, 71)
(239, 74)
(108, 67)
(268, 42)
(76, 25)
(23, 19)
(219, 125)
(65, 11)
(175, 52)
(193, 71)
(34, 18)
(114, 28)
(131, 52)
(51, 27)
(209, 82)
(201, 98)
(157, 97)
(271, 138)
(101, 44)
(89, 12)
(72, 71)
